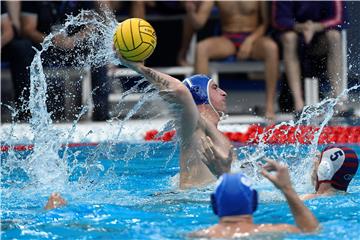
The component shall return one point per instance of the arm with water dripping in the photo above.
(172, 91)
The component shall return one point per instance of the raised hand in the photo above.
(281, 179)
(304, 218)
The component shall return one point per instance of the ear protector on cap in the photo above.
(199, 88)
(199, 85)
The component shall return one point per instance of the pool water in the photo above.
(132, 194)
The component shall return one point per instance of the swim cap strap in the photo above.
(223, 116)
(209, 100)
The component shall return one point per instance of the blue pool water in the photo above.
(132, 194)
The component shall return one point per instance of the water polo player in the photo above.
(333, 171)
(199, 105)
(234, 202)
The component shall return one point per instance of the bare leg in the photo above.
(292, 67)
(14, 9)
(334, 63)
(138, 9)
(55, 201)
(187, 33)
(212, 48)
(267, 50)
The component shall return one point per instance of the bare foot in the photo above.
(270, 117)
(55, 201)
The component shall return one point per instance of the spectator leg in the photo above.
(138, 9)
(334, 63)
(267, 50)
(20, 56)
(187, 33)
(292, 67)
(212, 48)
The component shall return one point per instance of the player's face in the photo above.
(217, 97)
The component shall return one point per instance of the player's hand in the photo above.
(281, 178)
(217, 160)
(127, 63)
(212, 152)
(245, 49)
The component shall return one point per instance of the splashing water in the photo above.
(49, 171)
(43, 166)
(297, 156)
(46, 168)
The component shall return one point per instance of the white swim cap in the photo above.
(330, 162)
(338, 165)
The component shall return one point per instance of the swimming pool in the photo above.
(132, 194)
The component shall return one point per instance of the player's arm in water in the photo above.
(304, 218)
(174, 92)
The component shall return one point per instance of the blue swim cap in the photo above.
(234, 196)
(199, 88)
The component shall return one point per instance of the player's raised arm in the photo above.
(173, 91)
(304, 218)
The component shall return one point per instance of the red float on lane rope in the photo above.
(280, 135)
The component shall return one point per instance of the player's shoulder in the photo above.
(277, 228)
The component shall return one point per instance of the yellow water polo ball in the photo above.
(135, 39)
